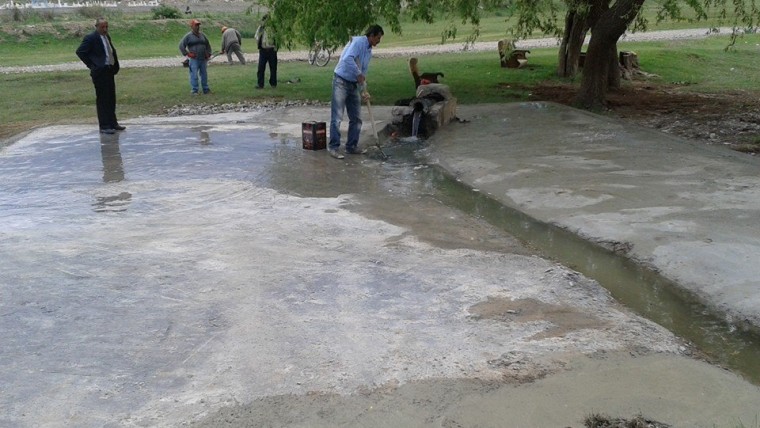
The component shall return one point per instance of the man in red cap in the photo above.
(197, 48)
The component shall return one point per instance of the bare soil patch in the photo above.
(730, 119)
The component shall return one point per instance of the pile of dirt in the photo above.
(604, 421)
(731, 119)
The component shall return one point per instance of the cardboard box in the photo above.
(314, 135)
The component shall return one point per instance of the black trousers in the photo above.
(105, 97)
(267, 56)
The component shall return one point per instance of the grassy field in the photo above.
(37, 38)
(68, 97)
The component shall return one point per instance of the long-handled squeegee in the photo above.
(374, 130)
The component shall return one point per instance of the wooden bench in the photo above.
(510, 56)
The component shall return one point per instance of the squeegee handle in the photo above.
(371, 119)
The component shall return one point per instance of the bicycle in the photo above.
(319, 55)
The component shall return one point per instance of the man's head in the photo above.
(224, 29)
(195, 25)
(101, 26)
(374, 34)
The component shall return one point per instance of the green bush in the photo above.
(166, 12)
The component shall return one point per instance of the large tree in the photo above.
(332, 22)
(607, 21)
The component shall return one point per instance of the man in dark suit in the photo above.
(98, 54)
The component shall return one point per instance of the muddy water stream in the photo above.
(642, 290)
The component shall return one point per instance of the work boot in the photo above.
(355, 151)
(335, 153)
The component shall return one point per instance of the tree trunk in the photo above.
(572, 44)
(601, 57)
(613, 74)
(562, 54)
(594, 82)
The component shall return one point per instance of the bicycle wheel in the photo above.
(322, 57)
(312, 56)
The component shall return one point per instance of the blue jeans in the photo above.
(198, 66)
(345, 95)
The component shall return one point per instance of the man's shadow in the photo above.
(113, 172)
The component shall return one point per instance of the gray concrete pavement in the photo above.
(686, 210)
(192, 265)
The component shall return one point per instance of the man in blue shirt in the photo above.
(348, 88)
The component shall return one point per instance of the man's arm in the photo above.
(183, 46)
(354, 58)
(83, 51)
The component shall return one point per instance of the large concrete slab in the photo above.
(683, 209)
(193, 265)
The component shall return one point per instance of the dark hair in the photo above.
(374, 30)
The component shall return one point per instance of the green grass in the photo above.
(134, 39)
(704, 65)
(66, 97)
(53, 39)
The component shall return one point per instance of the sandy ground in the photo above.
(661, 387)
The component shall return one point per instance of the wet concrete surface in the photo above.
(206, 270)
(685, 210)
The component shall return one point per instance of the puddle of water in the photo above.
(647, 293)
(401, 182)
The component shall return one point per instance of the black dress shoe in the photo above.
(119, 127)
(107, 131)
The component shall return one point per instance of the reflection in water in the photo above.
(113, 167)
(114, 203)
(113, 172)
(205, 138)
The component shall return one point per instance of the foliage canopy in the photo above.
(333, 22)
(300, 22)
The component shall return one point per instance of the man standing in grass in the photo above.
(231, 41)
(97, 52)
(348, 88)
(267, 55)
(197, 48)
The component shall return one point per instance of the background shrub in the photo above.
(166, 12)
(92, 12)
